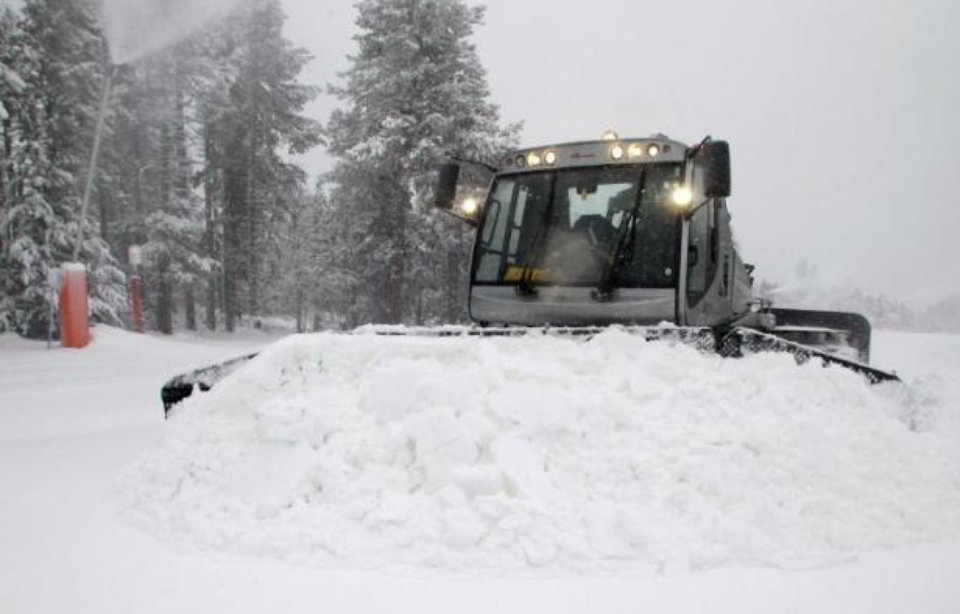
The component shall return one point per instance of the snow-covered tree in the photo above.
(192, 169)
(415, 93)
(57, 52)
(296, 259)
(261, 120)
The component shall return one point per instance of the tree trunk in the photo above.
(300, 315)
(6, 171)
(395, 289)
(211, 315)
(233, 239)
(210, 193)
(229, 301)
(166, 171)
(182, 167)
(190, 308)
(252, 256)
(105, 213)
(397, 268)
(165, 305)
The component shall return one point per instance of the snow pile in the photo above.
(510, 453)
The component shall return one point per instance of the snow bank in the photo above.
(512, 453)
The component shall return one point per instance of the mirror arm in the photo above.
(688, 215)
(693, 151)
(469, 220)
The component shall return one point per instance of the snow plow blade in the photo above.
(182, 386)
(729, 343)
(803, 326)
(742, 341)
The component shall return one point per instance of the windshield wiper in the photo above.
(626, 238)
(525, 286)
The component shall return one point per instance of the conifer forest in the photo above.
(199, 169)
(195, 168)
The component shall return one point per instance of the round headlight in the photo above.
(635, 150)
(653, 150)
(616, 152)
(550, 157)
(534, 159)
(682, 196)
(521, 160)
(469, 206)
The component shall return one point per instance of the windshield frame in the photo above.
(494, 210)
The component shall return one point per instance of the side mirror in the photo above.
(462, 190)
(447, 186)
(714, 158)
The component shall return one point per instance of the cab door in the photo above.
(707, 251)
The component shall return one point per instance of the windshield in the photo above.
(563, 227)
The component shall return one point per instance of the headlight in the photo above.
(635, 151)
(534, 159)
(616, 152)
(682, 196)
(653, 151)
(550, 158)
(469, 206)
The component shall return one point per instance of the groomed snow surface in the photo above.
(366, 473)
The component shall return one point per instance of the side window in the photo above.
(494, 232)
(701, 257)
(496, 209)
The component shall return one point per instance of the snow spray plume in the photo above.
(94, 158)
(137, 28)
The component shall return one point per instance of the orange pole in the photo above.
(136, 301)
(74, 307)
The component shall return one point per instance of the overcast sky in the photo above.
(843, 115)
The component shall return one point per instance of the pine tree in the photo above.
(414, 94)
(192, 167)
(59, 55)
(184, 142)
(262, 118)
(172, 223)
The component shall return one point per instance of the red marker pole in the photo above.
(136, 288)
(74, 307)
(136, 301)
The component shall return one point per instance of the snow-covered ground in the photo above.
(469, 475)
